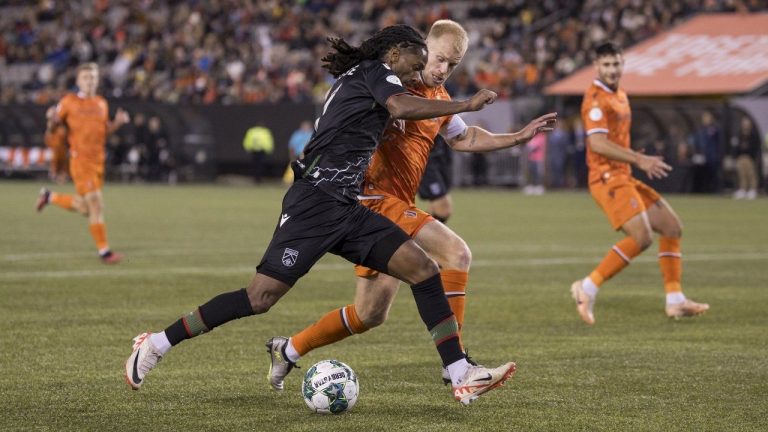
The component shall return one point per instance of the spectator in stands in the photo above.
(204, 52)
(745, 146)
(558, 148)
(299, 139)
(260, 144)
(536, 150)
(707, 155)
(579, 158)
(156, 150)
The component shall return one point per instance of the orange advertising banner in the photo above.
(710, 54)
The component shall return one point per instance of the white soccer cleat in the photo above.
(142, 360)
(447, 376)
(479, 380)
(584, 303)
(279, 366)
(687, 308)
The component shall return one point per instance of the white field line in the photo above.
(123, 270)
(257, 250)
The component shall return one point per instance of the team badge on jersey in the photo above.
(289, 257)
(394, 80)
(595, 114)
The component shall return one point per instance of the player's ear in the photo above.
(394, 55)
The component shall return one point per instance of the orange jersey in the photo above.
(606, 111)
(86, 119)
(401, 157)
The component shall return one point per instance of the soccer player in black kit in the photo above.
(321, 213)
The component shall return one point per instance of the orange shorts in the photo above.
(622, 197)
(409, 218)
(88, 176)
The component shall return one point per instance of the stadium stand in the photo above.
(193, 54)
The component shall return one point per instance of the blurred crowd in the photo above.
(249, 51)
(141, 151)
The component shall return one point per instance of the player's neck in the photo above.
(612, 88)
(85, 95)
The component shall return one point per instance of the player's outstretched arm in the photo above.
(121, 118)
(653, 166)
(409, 107)
(51, 119)
(476, 139)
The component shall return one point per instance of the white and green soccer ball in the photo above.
(330, 387)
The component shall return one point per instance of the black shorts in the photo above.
(313, 223)
(436, 181)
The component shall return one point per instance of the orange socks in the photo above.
(619, 257)
(99, 233)
(670, 261)
(455, 286)
(61, 200)
(332, 327)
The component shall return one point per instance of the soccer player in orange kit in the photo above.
(86, 116)
(631, 206)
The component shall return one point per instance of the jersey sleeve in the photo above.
(594, 114)
(454, 127)
(62, 109)
(383, 83)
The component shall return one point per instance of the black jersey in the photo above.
(347, 132)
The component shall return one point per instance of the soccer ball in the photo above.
(330, 387)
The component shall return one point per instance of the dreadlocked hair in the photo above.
(346, 56)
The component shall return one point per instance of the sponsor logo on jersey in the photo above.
(289, 257)
(410, 213)
(284, 218)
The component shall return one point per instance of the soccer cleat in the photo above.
(43, 199)
(142, 360)
(584, 303)
(687, 308)
(479, 380)
(447, 376)
(111, 258)
(279, 366)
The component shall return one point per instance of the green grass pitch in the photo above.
(66, 321)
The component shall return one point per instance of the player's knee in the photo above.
(425, 269)
(644, 240)
(261, 300)
(374, 318)
(676, 231)
(260, 306)
(460, 256)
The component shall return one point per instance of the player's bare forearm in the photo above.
(121, 118)
(409, 107)
(653, 166)
(600, 144)
(478, 140)
(416, 108)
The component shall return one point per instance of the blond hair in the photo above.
(91, 66)
(451, 28)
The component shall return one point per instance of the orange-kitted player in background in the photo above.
(630, 205)
(86, 117)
